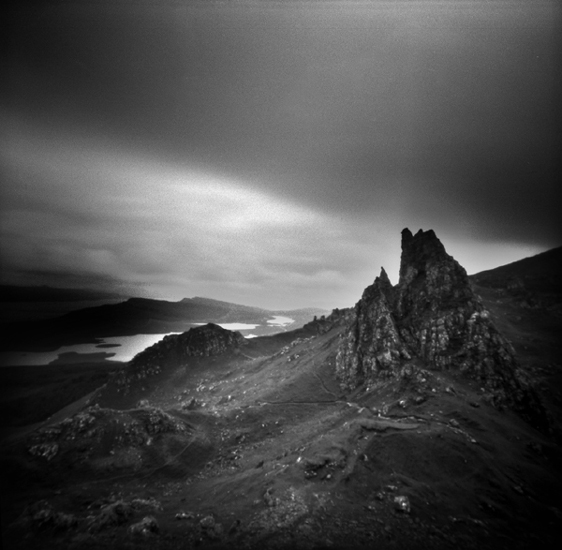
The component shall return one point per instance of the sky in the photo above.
(269, 153)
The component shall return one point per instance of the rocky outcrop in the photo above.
(434, 316)
(372, 347)
(440, 318)
(177, 349)
(106, 439)
(203, 341)
(338, 317)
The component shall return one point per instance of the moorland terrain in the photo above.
(427, 416)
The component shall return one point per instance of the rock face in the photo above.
(338, 317)
(372, 348)
(440, 317)
(203, 341)
(177, 349)
(432, 315)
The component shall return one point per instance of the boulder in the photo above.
(146, 527)
(111, 515)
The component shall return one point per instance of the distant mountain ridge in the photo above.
(140, 316)
(220, 303)
(534, 281)
(308, 311)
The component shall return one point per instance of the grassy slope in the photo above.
(29, 395)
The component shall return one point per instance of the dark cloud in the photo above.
(143, 141)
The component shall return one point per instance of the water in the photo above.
(279, 320)
(117, 348)
(236, 326)
(126, 348)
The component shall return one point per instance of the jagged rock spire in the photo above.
(427, 269)
(433, 315)
(434, 299)
(373, 346)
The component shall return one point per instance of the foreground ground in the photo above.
(260, 449)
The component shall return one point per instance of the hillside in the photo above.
(539, 273)
(428, 416)
(33, 303)
(13, 293)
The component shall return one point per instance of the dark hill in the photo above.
(540, 273)
(428, 416)
(14, 293)
(525, 296)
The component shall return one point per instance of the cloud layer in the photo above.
(173, 229)
(270, 154)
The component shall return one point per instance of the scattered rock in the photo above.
(105, 438)
(211, 529)
(116, 513)
(148, 526)
(184, 515)
(269, 499)
(44, 450)
(290, 508)
(402, 504)
(191, 405)
(41, 515)
(208, 522)
(147, 503)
